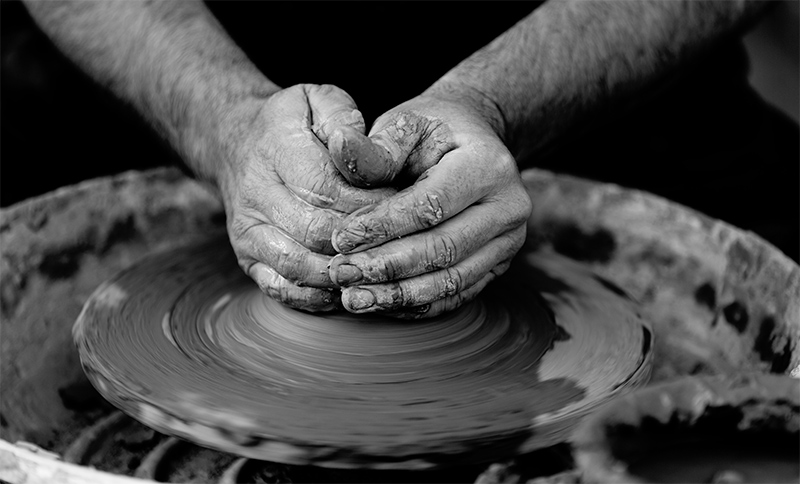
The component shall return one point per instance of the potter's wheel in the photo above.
(184, 342)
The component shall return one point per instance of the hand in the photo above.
(438, 243)
(283, 196)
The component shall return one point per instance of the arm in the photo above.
(436, 244)
(572, 61)
(171, 60)
(261, 146)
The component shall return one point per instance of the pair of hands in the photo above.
(301, 182)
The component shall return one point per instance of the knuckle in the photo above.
(270, 283)
(244, 235)
(404, 125)
(325, 89)
(296, 89)
(373, 229)
(429, 210)
(318, 231)
(278, 289)
(451, 283)
(441, 252)
(376, 269)
(526, 205)
(311, 230)
(506, 161)
(291, 265)
(389, 267)
(237, 229)
(518, 240)
(520, 207)
(246, 264)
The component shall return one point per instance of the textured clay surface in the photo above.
(186, 343)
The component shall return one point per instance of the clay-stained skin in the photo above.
(199, 352)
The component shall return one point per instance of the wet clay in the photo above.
(185, 343)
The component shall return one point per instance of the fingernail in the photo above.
(340, 243)
(344, 241)
(358, 299)
(357, 231)
(335, 241)
(347, 274)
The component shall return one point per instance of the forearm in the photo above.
(573, 62)
(171, 60)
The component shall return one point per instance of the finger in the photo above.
(309, 225)
(314, 179)
(393, 147)
(434, 286)
(361, 162)
(306, 223)
(270, 245)
(304, 164)
(331, 108)
(450, 303)
(434, 249)
(446, 189)
(277, 287)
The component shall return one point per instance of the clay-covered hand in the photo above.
(440, 241)
(283, 196)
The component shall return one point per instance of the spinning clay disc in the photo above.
(186, 343)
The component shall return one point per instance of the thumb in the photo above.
(332, 108)
(378, 159)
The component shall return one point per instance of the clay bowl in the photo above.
(732, 428)
(720, 299)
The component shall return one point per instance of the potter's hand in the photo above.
(283, 196)
(436, 244)
(263, 147)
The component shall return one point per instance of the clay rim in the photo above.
(687, 399)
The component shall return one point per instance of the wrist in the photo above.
(454, 89)
(215, 126)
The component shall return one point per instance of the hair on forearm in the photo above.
(570, 60)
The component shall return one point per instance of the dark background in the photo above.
(711, 142)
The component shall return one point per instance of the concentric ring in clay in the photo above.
(186, 343)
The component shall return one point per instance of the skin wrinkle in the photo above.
(308, 116)
(302, 298)
(399, 264)
(426, 130)
(303, 227)
(429, 212)
(446, 249)
(449, 303)
(565, 67)
(608, 58)
(280, 252)
(440, 284)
